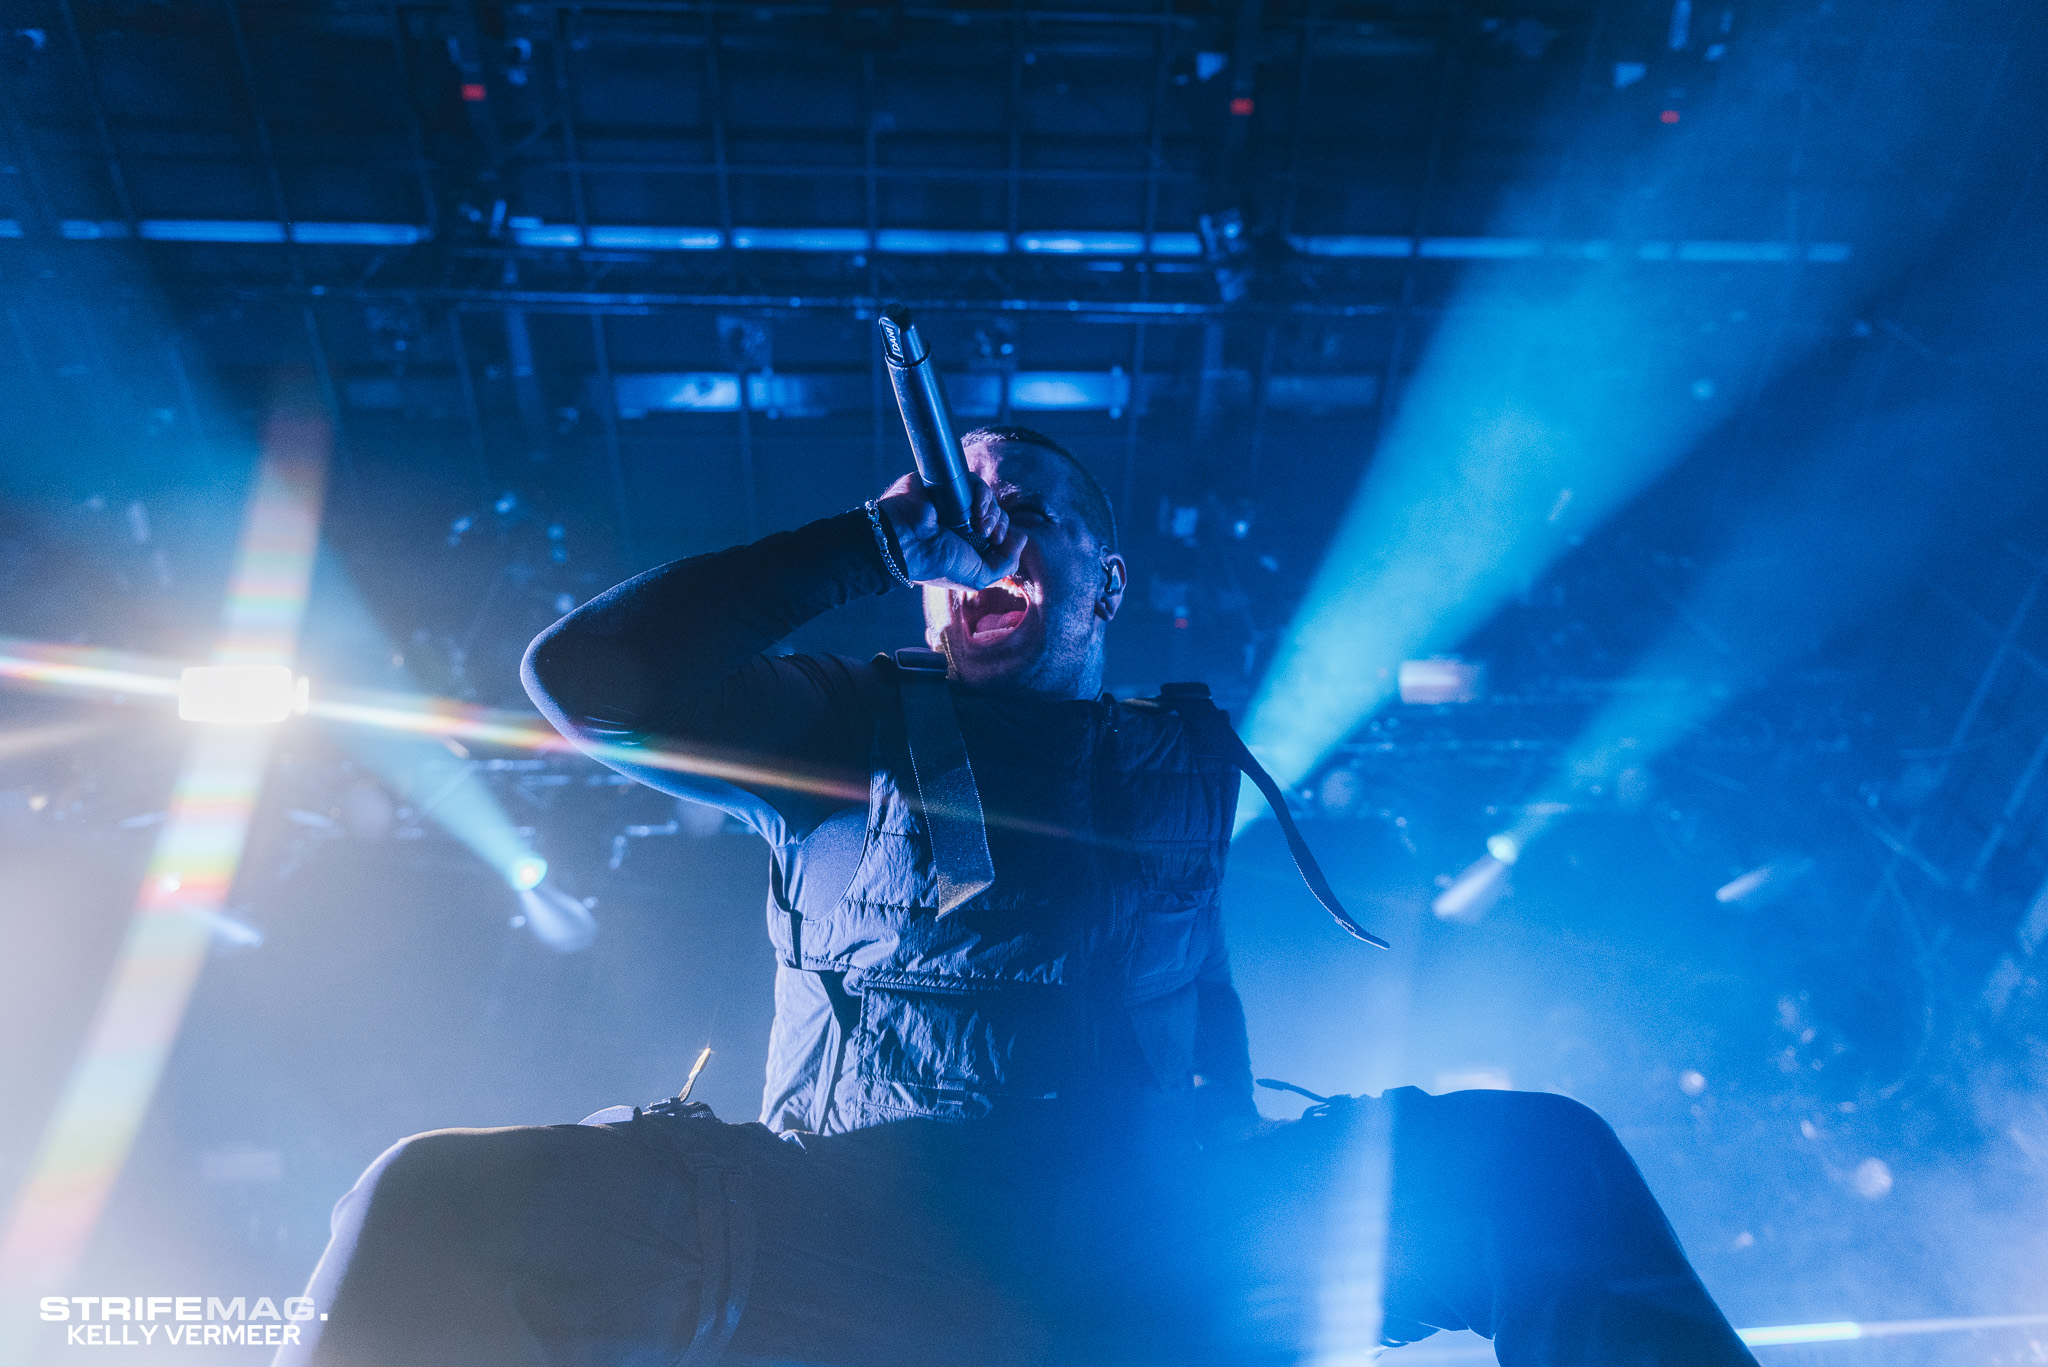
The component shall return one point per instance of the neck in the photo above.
(1045, 680)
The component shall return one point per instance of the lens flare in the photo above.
(185, 889)
(240, 695)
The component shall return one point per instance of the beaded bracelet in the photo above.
(882, 544)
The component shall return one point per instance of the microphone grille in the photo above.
(899, 336)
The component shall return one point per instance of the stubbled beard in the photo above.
(1059, 666)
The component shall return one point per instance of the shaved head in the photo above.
(1040, 629)
(1089, 501)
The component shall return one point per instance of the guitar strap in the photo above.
(951, 804)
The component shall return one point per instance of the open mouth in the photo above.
(995, 612)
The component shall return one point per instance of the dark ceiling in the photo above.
(518, 243)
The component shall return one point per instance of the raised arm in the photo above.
(665, 677)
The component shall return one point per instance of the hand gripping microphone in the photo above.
(941, 466)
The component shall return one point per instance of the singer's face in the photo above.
(1040, 630)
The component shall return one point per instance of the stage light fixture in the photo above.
(179, 909)
(241, 695)
(1424, 682)
(1528, 388)
(525, 872)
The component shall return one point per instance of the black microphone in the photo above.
(941, 466)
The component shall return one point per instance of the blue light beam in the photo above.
(1530, 421)
(1546, 400)
(434, 775)
(1855, 526)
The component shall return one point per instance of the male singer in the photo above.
(1008, 1115)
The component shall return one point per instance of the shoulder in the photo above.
(1185, 707)
(1184, 717)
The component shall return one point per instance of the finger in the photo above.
(904, 485)
(967, 579)
(986, 509)
(989, 567)
(996, 527)
(1007, 553)
(909, 513)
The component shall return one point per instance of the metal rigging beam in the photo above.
(607, 392)
(316, 346)
(608, 410)
(90, 84)
(1404, 310)
(714, 98)
(466, 378)
(422, 164)
(647, 302)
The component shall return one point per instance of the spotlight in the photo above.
(1505, 848)
(1339, 791)
(526, 871)
(1872, 1179)
(1762, 884)
(240, 695)
(230, 931)
(1439, 681)
(1473, 892)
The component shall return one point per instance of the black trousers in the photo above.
(665, 1239)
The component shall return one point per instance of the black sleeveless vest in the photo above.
(1070, 980)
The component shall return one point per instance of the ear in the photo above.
(1110, 597)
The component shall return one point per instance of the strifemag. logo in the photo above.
(179, 1321)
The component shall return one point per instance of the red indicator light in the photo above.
(1180, 624)
(473, 91)
(1668, 116)
(1242, 106)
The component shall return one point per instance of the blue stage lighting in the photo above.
(1542, 403)
(802, 239)
(1474, 891)
(1082, 244)
(531, 232)
(360, 234)
(209, 230)
(438, 781)
(526, 871)
(1799, 568)
(936, 241)
(657, 239)
(557, 920)
(1050, 390)
(1455, 512)
(240, 695)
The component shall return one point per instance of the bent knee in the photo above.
(1514, 1127)
(434, 1153)
(439, 1172)
(1550, 1113)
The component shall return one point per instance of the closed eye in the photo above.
(1027, 508)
